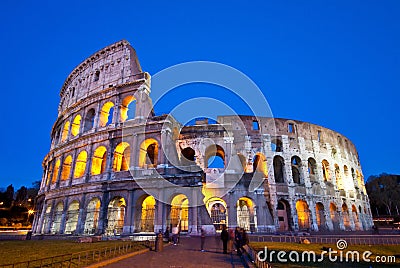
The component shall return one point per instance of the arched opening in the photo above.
(80, 165)
(76, 124)
(122, 156)
(66, 169)
(214, 157)
(325, 170)
(56, 170)
(303, 215)
(260, 164)
(243, 161)
(346, 218)
(72, 218)
(296, 164)
(339, 182)
(283, 210)
(312, 169)
(148, 214)
(65, 131)
(99, 160)
(106, 114)
(128, 108)
(334, 216)
(355, 218)
(319, 209)
(217, 209)
(56, 225)
(279, 165)
(346, 171)
(46, 219)
(50, 167)
(89, 120)
(188, 156)
(148, 156)
(246, 214)
(276, 145)
(92, 216)
(179, 216)
(116, 216)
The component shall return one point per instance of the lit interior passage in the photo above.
(122, 157)
(128, 108)
(246, 214)
(260, 164)
(99, 160)
(303, 214)
(179, 216)
(80, 165)
(55, 172)
(148, 153)
(66, 168)
(72, 218)
(65, 131)
(116, 216)
(76, 125)
(217, 209)
(92, 216)
(148, 214)
(106, 114)
(56, 225)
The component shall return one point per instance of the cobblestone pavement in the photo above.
(186, 254)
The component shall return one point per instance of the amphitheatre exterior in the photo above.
(115, 168)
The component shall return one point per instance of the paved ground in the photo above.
(186, 254)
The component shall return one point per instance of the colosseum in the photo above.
(116, 168)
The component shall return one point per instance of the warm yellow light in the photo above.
(80, 165)
(31, 211)
(76, 124)
(99, 160)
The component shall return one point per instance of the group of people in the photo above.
(238, 237)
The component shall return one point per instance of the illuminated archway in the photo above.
(325, 170)
(122, 155)
(99, 160)
(72, 218)
(55, 172)
(116, 216)
(65, 131)
(260, 164)
(338, 175)
(92, 216)
(334, 216)
(56, 225)
(128, 108)
(246, 214)
(179, 215)
(303, 214)
(217, 209)
(80, 165)
(106, 114)
(355, 217)
(345, 215)
(148, 153)
(66, 168)
(148, 214)
(320, 214)
(76, 124)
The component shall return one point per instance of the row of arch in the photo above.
(73, 128)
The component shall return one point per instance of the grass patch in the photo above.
(377, 250)
(19, 251)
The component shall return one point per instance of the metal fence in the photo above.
(80, 259)
(351, 240)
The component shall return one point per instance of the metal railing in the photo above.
(80, 259)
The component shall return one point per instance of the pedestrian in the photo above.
(225, 238)
(245, 238)
(238, 241)
(202, 238)
(175, 232)
(166, 234)
(231, 239)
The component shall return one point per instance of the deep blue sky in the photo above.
(333, 63)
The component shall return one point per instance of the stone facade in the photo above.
(116, 168)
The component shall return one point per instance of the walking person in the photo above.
(245, 239)
(231, 239)
(238, 241)
(202, 238)
(166, 234)
(175, 232)
(225, 238)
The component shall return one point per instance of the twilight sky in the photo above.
(332, 63)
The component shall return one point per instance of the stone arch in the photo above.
(179, 213)
(122, 155)
(148, 156)
(312, 169)
(276, 144)
(320, 214)
(106, 114)
(346, 217)
(128, 108)
(66, 168)
(188, 156)
(325, 170)
(76, 125)
(116, 216)
(89, 120)
(148, 210)
(214, 157)
(303, 215)
(356, 219)
(72, 217)
(284, 215)
(338, 176)
(246, 214)
(333, 211)
(80, 165)
(92, 216)
(243, 161)
(217, 209)
(296, 168)
(65, 132)
(279, 166)
(55, 171)
(46, 219)
(260, 164)
(99, 160)
(57, 217)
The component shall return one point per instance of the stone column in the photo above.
(103, 222)
(64, 215)
(73, 164)
(231, 207)
(60, 170)
(82, 215)
(313, 214)
(128, 223)
(89, 163)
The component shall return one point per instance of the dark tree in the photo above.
(9, 196)
(22, 195)
(384, 193)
